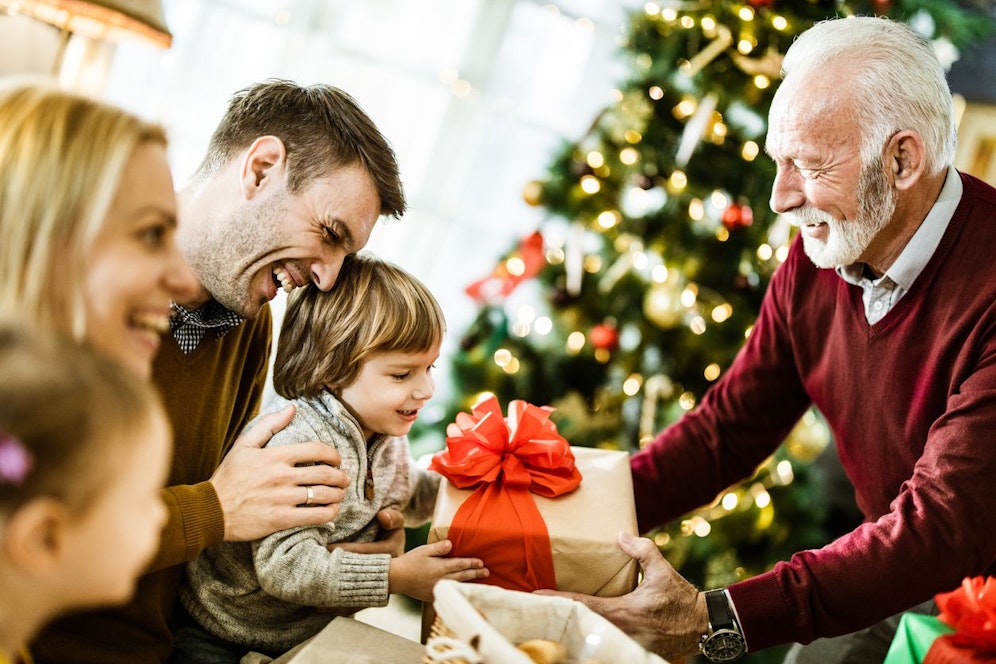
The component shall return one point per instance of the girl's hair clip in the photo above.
(15, 460)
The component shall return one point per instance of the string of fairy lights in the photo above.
(598, 245)
(616, 199)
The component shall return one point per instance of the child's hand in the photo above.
(416, 572)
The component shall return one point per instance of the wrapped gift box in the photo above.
(963, 633)
(582, 525)
(970, 610)
(914, 636)
(348, 641)
(540, 513)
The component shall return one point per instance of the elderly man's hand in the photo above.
(666, 614)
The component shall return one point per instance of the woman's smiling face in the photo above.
(133, 270)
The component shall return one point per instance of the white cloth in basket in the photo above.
(492, 620)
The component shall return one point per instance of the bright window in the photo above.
(475, 96)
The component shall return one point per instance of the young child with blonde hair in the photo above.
(84, 451)
(357, 362)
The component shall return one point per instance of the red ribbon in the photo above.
(501, 282)
(503, 461)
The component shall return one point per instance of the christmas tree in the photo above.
(637, 291)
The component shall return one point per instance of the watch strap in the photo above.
(723, 642)
(720, 615)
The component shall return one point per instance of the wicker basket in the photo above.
(482, 624)
(444, 646)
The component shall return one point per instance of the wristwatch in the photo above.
(723, 642)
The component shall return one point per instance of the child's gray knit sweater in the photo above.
(264, 594)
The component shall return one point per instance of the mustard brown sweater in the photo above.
(210, 396)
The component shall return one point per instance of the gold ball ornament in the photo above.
(532, 193)
(662, 306)
(808, 438)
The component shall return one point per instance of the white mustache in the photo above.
(808, 217)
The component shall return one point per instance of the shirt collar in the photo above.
(188, 326)
(211, 314)
(918, 251)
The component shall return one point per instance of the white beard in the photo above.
(847, 241)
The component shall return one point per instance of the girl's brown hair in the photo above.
(66, 418)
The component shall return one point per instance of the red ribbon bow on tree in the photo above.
(497, 285)
(503, 461)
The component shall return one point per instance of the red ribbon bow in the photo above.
(503, 461)
(497, 285)
(971, 611)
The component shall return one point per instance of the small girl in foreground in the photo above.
(356, 361)
(84, 448)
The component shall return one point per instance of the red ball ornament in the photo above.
(604, 336)
(882, 7)
(760, 3)
(737, 217)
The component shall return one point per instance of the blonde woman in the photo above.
(87, 222)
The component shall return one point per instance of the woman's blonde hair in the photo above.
(374, 307)
(67, 417)
(62, 156)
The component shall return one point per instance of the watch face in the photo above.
(724, 646)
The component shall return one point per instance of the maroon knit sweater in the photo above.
(911, 402)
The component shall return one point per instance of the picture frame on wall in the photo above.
(976, 152)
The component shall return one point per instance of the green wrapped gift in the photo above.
(914, 637)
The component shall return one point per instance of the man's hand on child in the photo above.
(262, 491)
(416, 572)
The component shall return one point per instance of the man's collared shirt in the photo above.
(188, 326)
(881, 295)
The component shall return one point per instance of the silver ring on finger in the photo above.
(311, 494)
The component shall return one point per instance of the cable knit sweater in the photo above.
(911, 401)
(273, 593)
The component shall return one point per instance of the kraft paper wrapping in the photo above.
(349, 641)
(582, 525)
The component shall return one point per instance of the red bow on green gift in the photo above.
(503, 461)
(971, 611)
